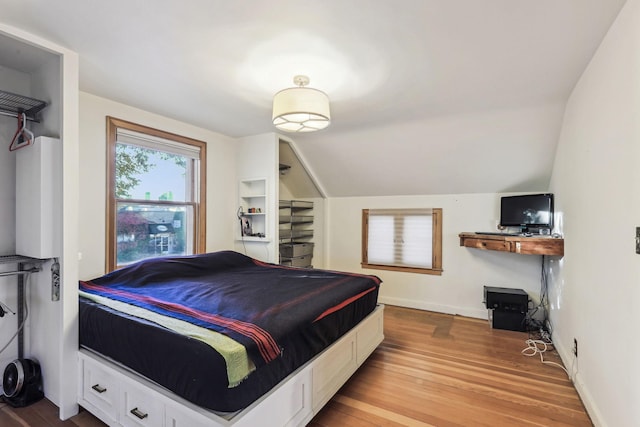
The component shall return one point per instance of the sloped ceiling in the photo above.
(427, 96)
(293, 175)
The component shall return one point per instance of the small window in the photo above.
(402, 240)
(156, 194)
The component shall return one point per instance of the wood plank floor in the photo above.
(439, 370)
(431, 370)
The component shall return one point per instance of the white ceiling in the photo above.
(427, 96)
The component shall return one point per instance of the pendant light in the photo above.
(301, 109)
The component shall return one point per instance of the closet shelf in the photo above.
(12, 105)
(20, 260)
(16, 259)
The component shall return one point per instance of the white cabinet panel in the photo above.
(141, 408)
(289, 404)
(333, 369)
(369, 337)
(99, 390)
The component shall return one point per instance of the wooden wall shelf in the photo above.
(535, 245)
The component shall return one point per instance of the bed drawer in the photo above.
(369, 336)
(140, 408)
(99, 388)
(177, 416)
(333, 368)
(290, 404)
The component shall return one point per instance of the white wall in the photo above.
(42, 83)
(459, 290)
(16, 82)
(51, 332)
(595, 291)
(258, 158)
(45, 315)
(319, 232)
(221, 177)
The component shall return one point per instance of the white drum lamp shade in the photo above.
(301, 109)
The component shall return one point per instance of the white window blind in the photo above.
(400, 237)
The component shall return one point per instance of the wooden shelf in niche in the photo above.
(534, 245)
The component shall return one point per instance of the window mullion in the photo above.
(398, 239)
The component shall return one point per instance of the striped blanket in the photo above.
(249, 301)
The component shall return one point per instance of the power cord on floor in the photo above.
(539, 329)
(539, 347)
(539, 333)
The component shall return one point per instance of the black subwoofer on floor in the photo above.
(507, 307)
(22, 383)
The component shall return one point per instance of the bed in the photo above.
(221, 339)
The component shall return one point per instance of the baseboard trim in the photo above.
(583, 391)
(438, 308)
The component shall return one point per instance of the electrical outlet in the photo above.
(575, 347)
(638, 240)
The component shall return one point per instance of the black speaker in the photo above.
(506, 299)
(507, 307)
(22, 383)
(509, 320)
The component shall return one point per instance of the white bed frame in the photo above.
(122, 398)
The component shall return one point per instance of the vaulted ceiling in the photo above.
(427, 96)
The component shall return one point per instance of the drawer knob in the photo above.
(138, 413)
(99, 388)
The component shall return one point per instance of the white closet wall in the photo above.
(17, 82)
(34, 67)
(29, 81)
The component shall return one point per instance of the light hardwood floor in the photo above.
(440, 370)
(431, 370)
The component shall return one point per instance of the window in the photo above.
(402, 240)
(155, 194)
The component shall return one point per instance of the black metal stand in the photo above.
(22, 262)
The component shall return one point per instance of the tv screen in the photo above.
(529, 211)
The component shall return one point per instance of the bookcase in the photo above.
(252, 213)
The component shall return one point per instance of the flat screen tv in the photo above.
(530, 212)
